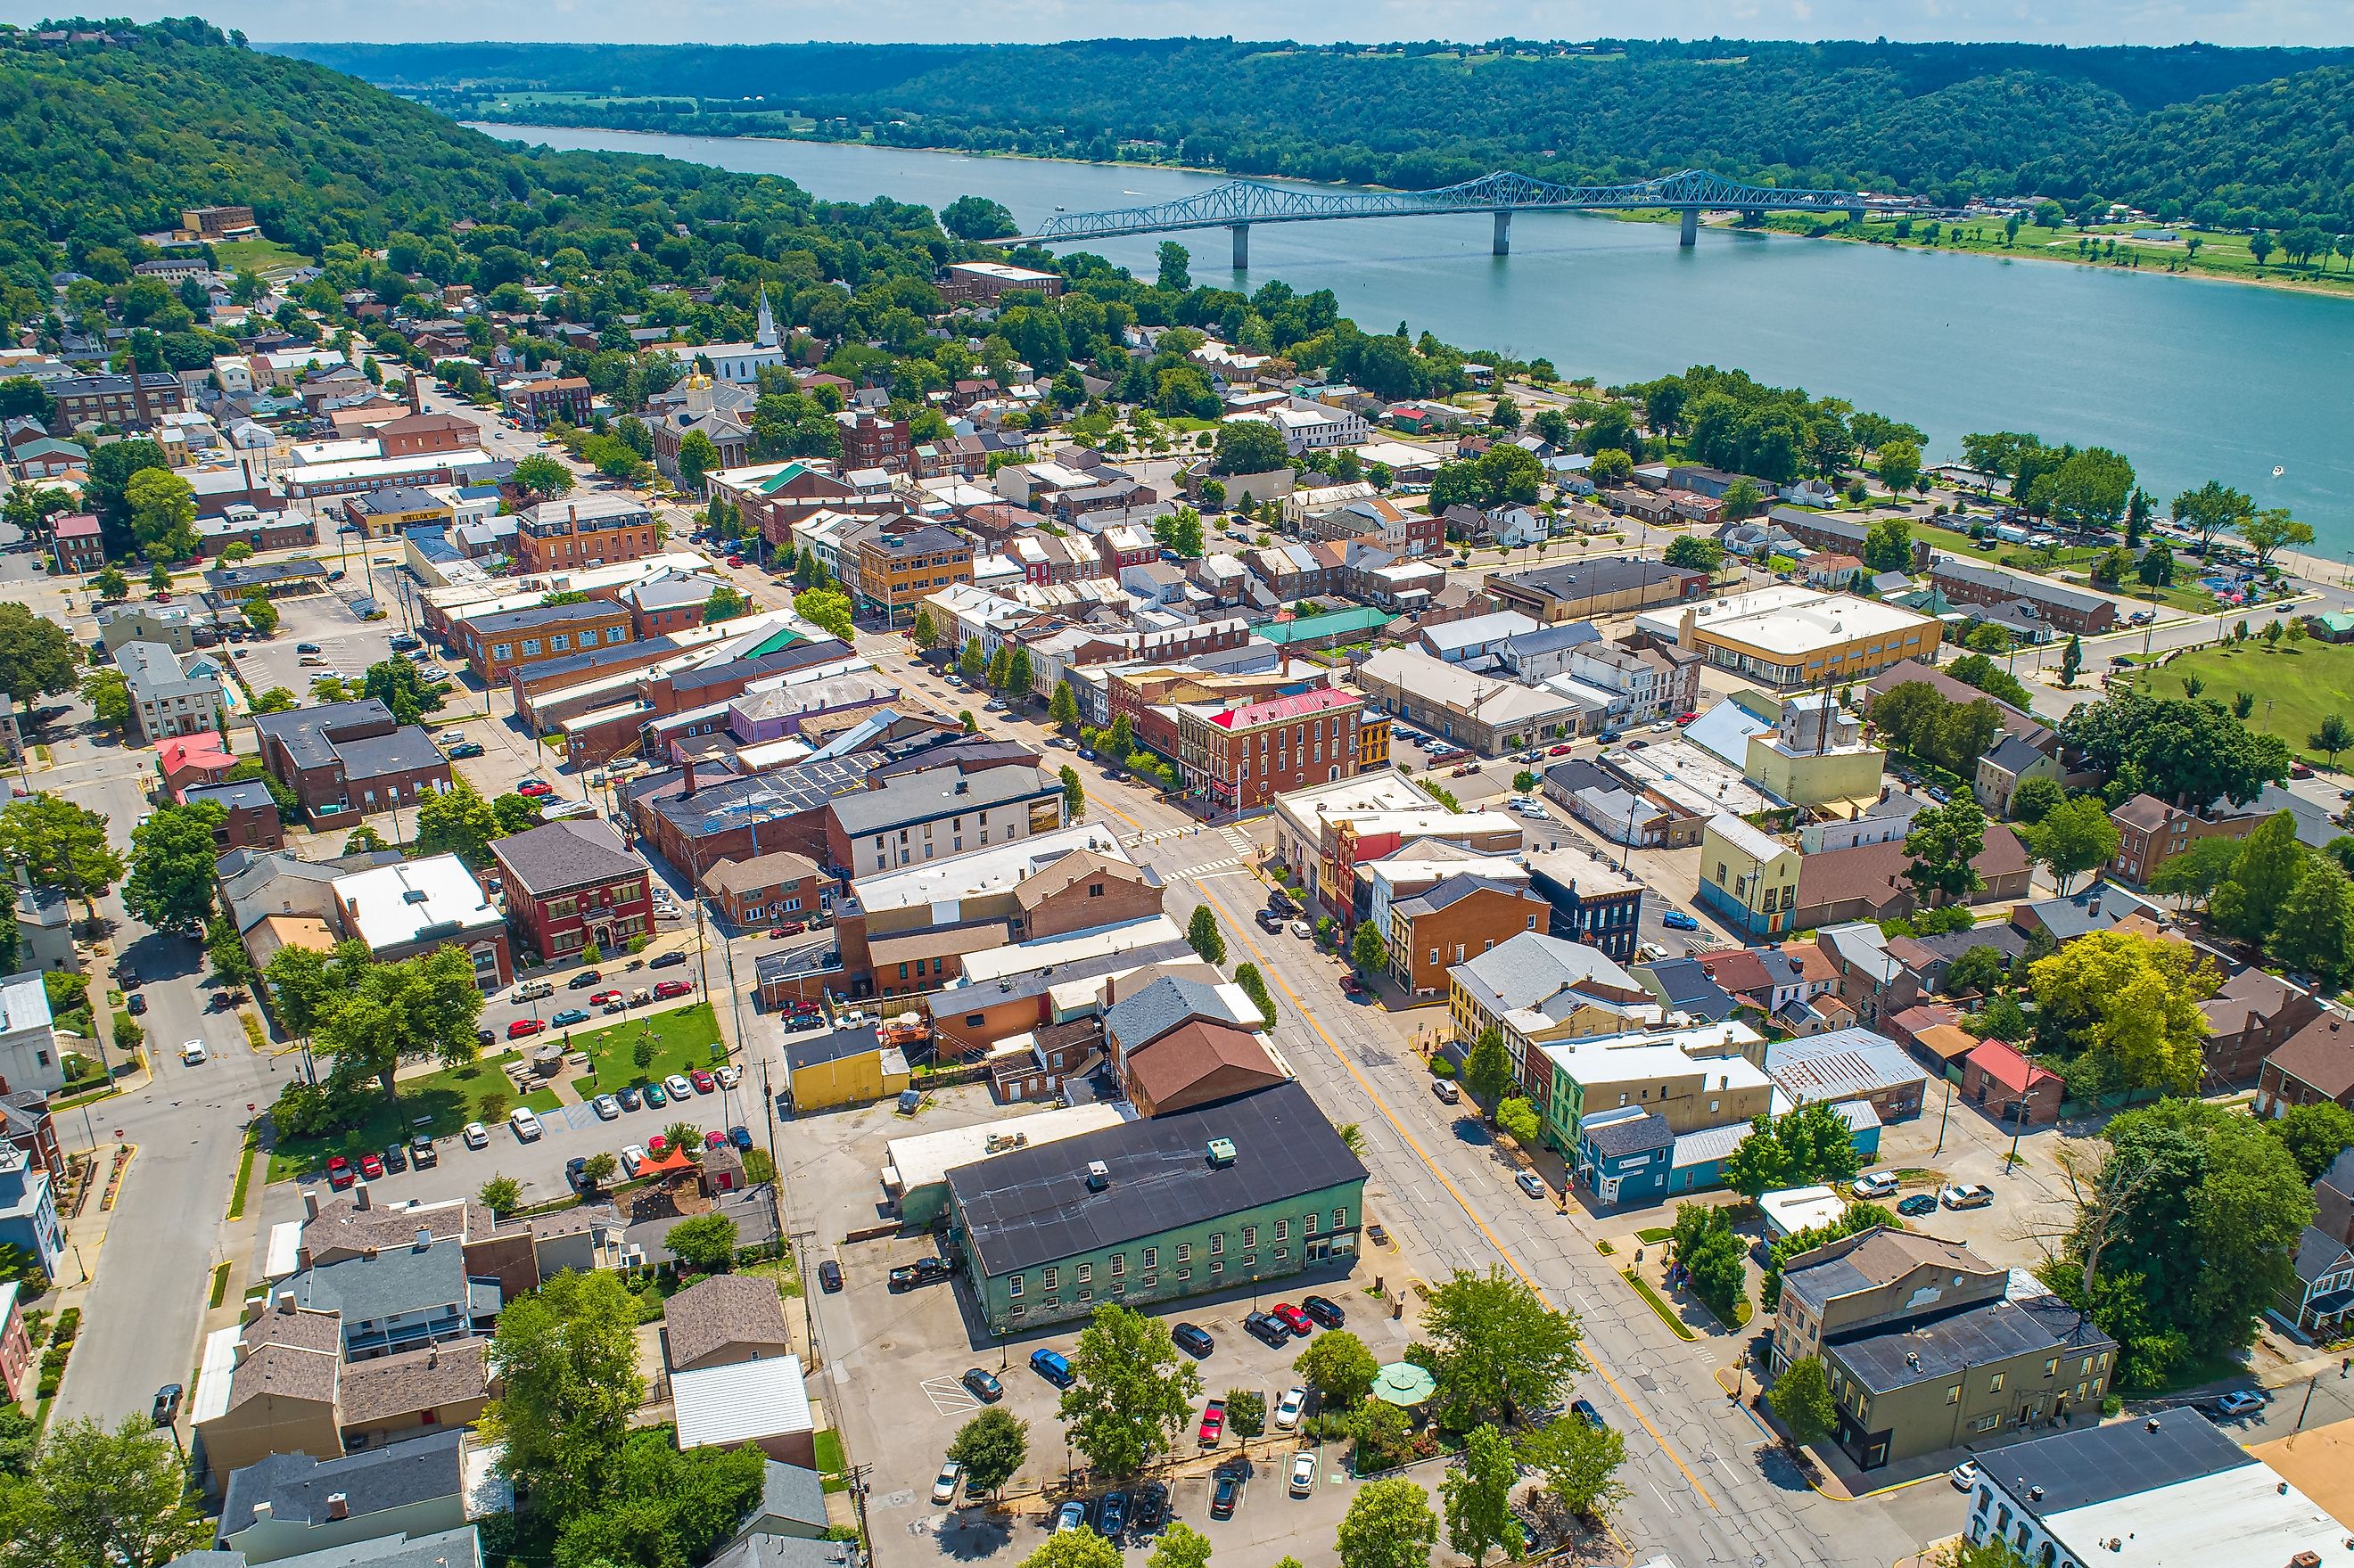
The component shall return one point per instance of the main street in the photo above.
(1706, 1485)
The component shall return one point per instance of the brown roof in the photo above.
(342, 1226)
(1736, 970)
(2251, 994)
(1876, 871)
(2319, 1056)
(2024, 725)
(1883, 1256)
(725, 1309)
(953, 941)
(1077, 866)
(1194, 1052)
(1815, 966)
(289, 1355)
(760, 871)
(1947, 1042)
(392, 1386)
(2146, 812)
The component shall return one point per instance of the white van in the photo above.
(526, 1124)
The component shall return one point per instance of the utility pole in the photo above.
(1944, 1116)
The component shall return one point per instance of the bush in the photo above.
(1441, 1066)
(69, 1325)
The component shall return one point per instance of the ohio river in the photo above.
(2191, 379)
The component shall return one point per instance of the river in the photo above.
(2191, 379)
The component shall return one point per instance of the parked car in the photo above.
(678, 1086)
(656, 1099)
(944, 1486)
(1584, 1410)
(666, 990)
(339, 1171)
(1916, 1205)
(1876, 1184)
(1287, 1408)
(1267, 1331)
(1964, 1475)
(372, 1165)
(1149, 1510)
(1072, 1515)
(829, 1277)
(1291, 1318)
(421, 1153)
(1226, 1492)
(608, 1108)
(531, 991)
(1270, 922)
(1302, 929)
(1326, 1312)
(629, 1096)
(2242, 1401)
(475, 1136)
(568, 1017)
(576, 1173)
(1193, 1339)
(1052, 1366)
(535, 788)
(167, 1404)
(1213, 1420)
(396, 1158)
(703, 1081)
(1677, 920)
(584, 980)
(1303, 1473)
(526, 1124)
(605, 999)
(1531, 1184)
(633, 1159)
(1111, 1515)
(983, 1384)
(1446, 1090)
(741, 1137)
(522, 1027)
(1967, 1195)
(463, 750)
(730, 1077)
(923, 1271)
(667, 960)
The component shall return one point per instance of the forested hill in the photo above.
(1946, 120)
(107, 139)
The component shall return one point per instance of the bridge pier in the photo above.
(1691, 227)
(1241, 233)
(1503, 231)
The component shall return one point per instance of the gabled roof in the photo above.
(1161, 1007)
(725, 1309)
(566, 854)
(1227, 1057)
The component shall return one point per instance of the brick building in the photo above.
(1453, 923)
(76, 543)
(344, 760)
(537, 403)
(775, 888)
(252, 815)
(874, 440)
(493, 644)
(107, 399)
(986, 283)
(571, 885)
(1241, 758)
(899, 568)
(414, 433)
(2313, 1064)
(596, 530)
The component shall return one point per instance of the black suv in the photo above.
(1149, 1510)
(1111, 1515)
(1267, 1331)
(1193, 1340)
(1326, 1312)
(923, 1271)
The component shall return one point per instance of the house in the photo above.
(1453, 921)
(1253, 1188)
(165, 699)
(44, 929)
(571, 885)
(2012, 762)
(2097, 906)
(2252, 1016)
(2313, 1064)
(777, 888)
(400, 1299)
(2322, 1297)
(416, 907)
(248, 814)
(1848, 1065)
(2000, 1080)
(845, 1066)
(1867, 882)
(2165, 1488)
(2151, 832)
(1925, 1349)
(1536, 988)
(290, 1504)
(791, 1506)
(1199, 1062)
(346, 760)
(762, 1401)
(28, 1208)
(727, 1318)
(29, 1058)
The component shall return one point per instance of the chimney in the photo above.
(310, 1202)
(424, 1237)
(688, 792)
(2092, 904)
(433, 1356)
(360, 1199)
(303, 1257)
(416, 394)
(339, 1506)
(286, 1302)
(2151, 1426)
(261, 1511)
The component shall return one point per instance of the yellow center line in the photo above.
(1497, 1242)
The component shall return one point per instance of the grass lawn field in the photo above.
(443, 1103)
(261, 256)
(2294, 684)
(2103, 245)
(683, 1038)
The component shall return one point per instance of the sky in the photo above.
(2238, 22)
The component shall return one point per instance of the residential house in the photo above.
(2252, 1016)
(2151, 832)
(723, 1320)
(2313, 1064)
(290, 1505)
(2012, 762)
(773, 888)
(75, 544)
(30, 1057)
(1536, 988)
(166, 700)
(2000, 1080)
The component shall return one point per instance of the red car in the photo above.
(372, 1165)
(704, 1082)
(1291, 1318)
(523, 1026)
(1687, 718)
(602, 997)
(666, 990)
(339, 1171)
(735, 560)
(534, 788)
(1561, 750)
(1214, 1422)
(789, 928)
(715, 1139)
(657, 1145)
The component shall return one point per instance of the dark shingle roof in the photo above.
(1161, 1007)
(1628, 1135)
(943, 791)
(297, 1486)
(1033, 1205)
(725, 1309)
(564, 855)
(2092, 1464)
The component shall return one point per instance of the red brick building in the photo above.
(773, 888)
(344, 760)
(2317, 1064)
(2009, 1087)
(1241, 758)
(252, 815)
(414, 433)
(596, 530)
(536, 403)
(77, 545)
(571, 885)
(871, 440)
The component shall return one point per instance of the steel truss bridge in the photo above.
(1238, 203)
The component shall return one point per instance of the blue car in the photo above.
(570, 1016)
(741, 1137)
(1677, 920)
(654, 1095)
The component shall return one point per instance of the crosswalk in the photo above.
(1237, 840)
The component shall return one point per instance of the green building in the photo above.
(1214, 1197)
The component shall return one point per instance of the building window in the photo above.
(1987, 1423)
(1184, 1254)
(1050, 1279)
(1308, 1224)
(1954, 1395)
(1086, 1272)
(1282, 1230)
(1340, 1219)
(1250, 1237)
(1013, 1285)
(1151, 1259)
(1994, 1383)
(1217, 1244)
(1119, 1264)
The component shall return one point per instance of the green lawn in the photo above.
(444, 1102)
(683, 1038)
(258, 256)
(2294, 684)
(2219, 255)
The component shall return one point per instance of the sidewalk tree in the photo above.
(1337, 1365)
(2332, 735)
(1389, 1525)
(260, 614)
(172, 861)
(1496, 1347)
(2072, 660)
(99, 1498)
(163, 509)
(1944, 842)
(1694, 550)
(2314, 1134)
(1000, 665)
(1131, 1393)
(1367, 951)
(698, 454)
(1759, 1162)
(1487, 1069)
(1888, 546)
(1579, 1462)
(59, 844)
(1517, 1117)
(501, 1194)
(706, 1244)
(1074, 1549)
(1075, 793)
(38, 657)
(541, 476)
(827, 610)
(990, 1446)
(1180, 1546)
(396, 684)
(565, 1358)
(1202, 934)
(1712, 1255)
(225, 949)
(926, 632)
(418, 1008)
(971, 666)
(600, 1168)
(1063, 709)
(458, 822)
(110, 584)
(2315, 932)
(1478, 1492)
(109, 697)
(1802, 1399)
(1254, 985)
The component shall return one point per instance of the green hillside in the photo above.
(2262, 132)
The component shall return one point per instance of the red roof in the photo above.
(81, 525)
(178, 753)
(1281, 710)
(2003, 1064)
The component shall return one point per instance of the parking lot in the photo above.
(892, 1362)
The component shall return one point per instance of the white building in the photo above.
(742, 362)
(165, 698)
(415, 906)
(28, 1042)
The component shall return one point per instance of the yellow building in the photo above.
(1788, 636)
(844, 1067)
(1815, 755)
(1373, 742)
(1747, 877)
